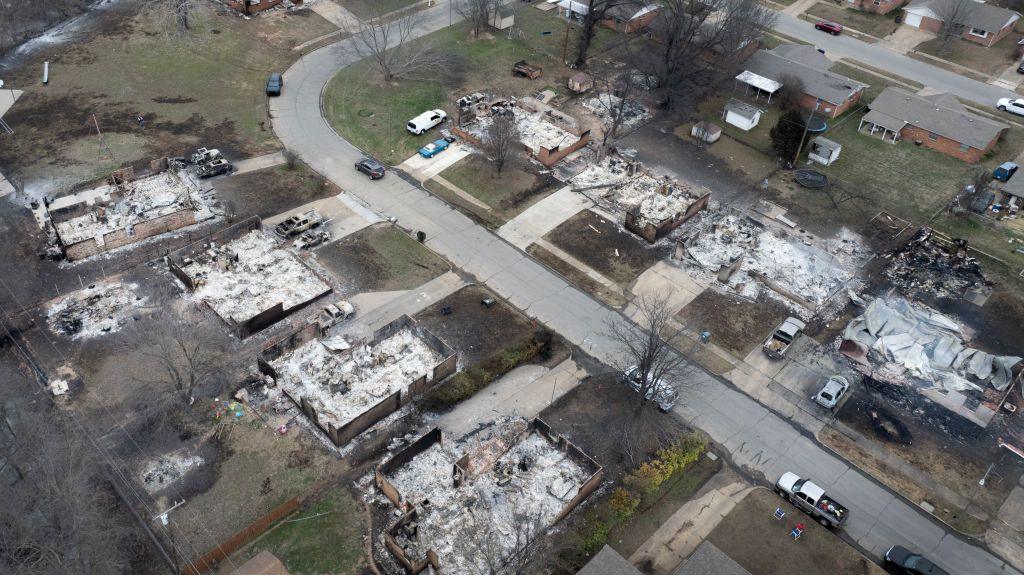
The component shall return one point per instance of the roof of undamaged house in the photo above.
(973, 14)
(810, 66)
(709, 559)
(941, 114)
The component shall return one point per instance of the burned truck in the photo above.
(812, 499)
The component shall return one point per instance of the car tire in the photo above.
(1001, 108)
(824, 523)
(782, 494)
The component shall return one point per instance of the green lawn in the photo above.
(508, 193)
(987, 61)
(875, 82)
(877, 25)
(205, 89)
(372, 115)
(325, 538)
(545, 32)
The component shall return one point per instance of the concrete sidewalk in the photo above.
(258, 163)
(525, 391)
(542, 217)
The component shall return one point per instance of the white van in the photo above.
(425, 121)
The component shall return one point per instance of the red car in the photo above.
(830, 27)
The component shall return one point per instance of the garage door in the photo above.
(913, 20)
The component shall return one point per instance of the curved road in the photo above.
(755, 437)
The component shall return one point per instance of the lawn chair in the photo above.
(797, 531)
(779, 514)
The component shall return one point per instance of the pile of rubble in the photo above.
(897, 342)
(607, 107)
(165, 470)
(95, 310)
(250, 275)
(342, 383)
(745, 256)
(927, 266)
(512, 499)
(539, 125)
(623, 185)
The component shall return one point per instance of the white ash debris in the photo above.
(167, 469)
(250, 275)
(126, 205)
(626, 186)
(810, 273)
(520, 496)
(342, 385)
(534, 131)
(607, 107)
(95, 310)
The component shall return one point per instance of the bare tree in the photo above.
(395, 51)
(178, 356)
(178, 15)
(61, 517)
(615, 100)
(791, 92)
(952, 14)
(839, 193)
(502, 139)
(487, 549)
(656, 371)
(476, 12)
(597, 11)
(698, 45)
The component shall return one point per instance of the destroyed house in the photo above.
(124, 210)
(246, 277)
(447, 499)
(546, 133)
(664, 208)
(344, 387)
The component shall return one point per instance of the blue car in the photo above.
(434, 148)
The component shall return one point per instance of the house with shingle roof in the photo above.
(939, 122)
(981, 23)
(830, 92)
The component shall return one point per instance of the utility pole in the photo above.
(565, 43)
(807, 126)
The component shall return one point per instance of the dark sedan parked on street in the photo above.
(274, 84)
(832, 28)
(909, 563)
(370, 167)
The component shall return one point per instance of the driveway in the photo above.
(904, 38)
(752, 435)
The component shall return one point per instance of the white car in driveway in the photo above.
(833, 391)
(1013, 106)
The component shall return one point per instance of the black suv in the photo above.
(274, 84)
(371, 167)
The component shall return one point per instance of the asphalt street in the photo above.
(753, 436)
(878, 56)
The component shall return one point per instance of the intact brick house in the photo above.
(832, 93)
(629, 18)
(982, 23)
(939, 122)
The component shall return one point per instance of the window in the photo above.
(932, 136)
(979, 33)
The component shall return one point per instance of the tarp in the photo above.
(913, 342)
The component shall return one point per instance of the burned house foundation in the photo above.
(501, 494)
(246, 277)
(344, 387)
(125, 210)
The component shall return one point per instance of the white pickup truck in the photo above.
(812, 499)
(782, 338)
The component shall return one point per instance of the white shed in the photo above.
(502, 17)
(824, 151)
(742, 115)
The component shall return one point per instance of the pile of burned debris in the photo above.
(930, 265)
